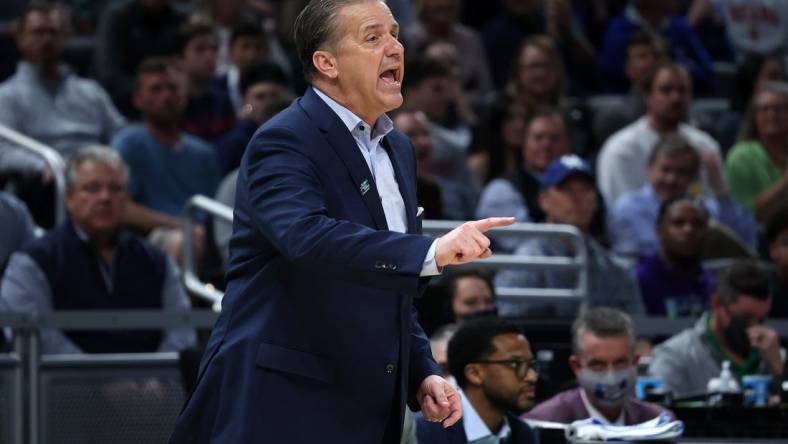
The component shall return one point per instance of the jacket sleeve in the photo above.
(286, 202)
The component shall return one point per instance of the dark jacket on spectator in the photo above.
(77, 282)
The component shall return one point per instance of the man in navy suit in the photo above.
(494, 367)
(317, 340)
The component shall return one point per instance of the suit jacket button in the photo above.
(390, 368)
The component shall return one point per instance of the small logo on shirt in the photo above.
(364, 187)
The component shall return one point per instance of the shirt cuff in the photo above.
(430, 267)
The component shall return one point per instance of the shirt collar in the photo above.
(596, 414)
(354, 123)
(474, 426)
(32, 72)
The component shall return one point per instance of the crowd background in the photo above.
(655, 127)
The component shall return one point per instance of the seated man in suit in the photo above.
(494, 368)
(605, 363)
(90, 263)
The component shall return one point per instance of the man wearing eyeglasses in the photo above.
(494, 368)
(91, 262)
(605, 364)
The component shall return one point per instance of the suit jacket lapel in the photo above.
(406, 187)
(346, 148)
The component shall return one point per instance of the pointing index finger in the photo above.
(492, 222)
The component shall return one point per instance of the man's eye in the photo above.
(372, 38)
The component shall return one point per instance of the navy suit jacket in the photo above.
(318, 339)
(434, 433)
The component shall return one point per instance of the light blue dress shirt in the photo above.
(476, 431)
(634, 218)
(368, 141)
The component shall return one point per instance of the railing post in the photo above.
(19, 410)
(33, 380)
(52, 158)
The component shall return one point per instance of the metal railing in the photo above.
(53, 381)
(53, 160)
(192, 282)
(578, 262)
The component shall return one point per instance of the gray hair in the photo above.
(672, 145)
(316, 28)
(95, 153)
(603, 322)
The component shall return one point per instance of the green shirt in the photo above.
(747, 367)
(750, 171)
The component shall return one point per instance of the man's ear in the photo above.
(574, 364)
(474, 374)
(326, 64)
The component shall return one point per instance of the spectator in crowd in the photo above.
(673, 165)
(621, 165)
(17, 229)
(495, 369)
(731, 331)
(500, 139)
(129, 32)
(438, 19)
(539, 79)
(225, 193)
(262, 85)
(44, 99)
(427, 88)
(441, 198)
(248, 47)
(605, 363)
(568, 196)
(756, 166)
(463, 101)
(167, 165)
(224, 15)
(516, 193)
(519, 19)
(89, 263)
(208, 113)
(471, 294)
(659, 19)
(230, 15)
(777, 238)
(644, 51)
(751, 75)
(439, 344)
(672, 280)
(754, 26)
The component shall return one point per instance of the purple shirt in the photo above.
(668, 293)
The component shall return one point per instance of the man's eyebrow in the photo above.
(378, 26)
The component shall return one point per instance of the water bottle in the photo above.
(724, 388)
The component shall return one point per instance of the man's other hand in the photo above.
(439, 401)
(467, 242)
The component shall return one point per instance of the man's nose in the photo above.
(394, 48)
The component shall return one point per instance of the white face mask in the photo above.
(610, 388)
